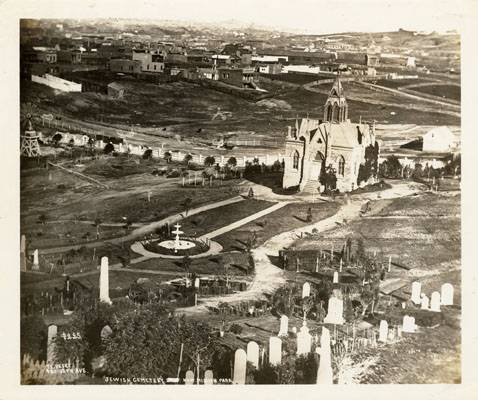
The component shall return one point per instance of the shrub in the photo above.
(236, 329)
(209, 161)
(148, 154)
(108, 148)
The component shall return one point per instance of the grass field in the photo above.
(452, 92)
(419, 232)
(287, 218)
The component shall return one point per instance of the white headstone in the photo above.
(23, 244)
(304, 340)
(447, 294)
(275, 351)
(36, 263)
(284, 326)
(306, 290)
(240, 362)
(336, 277)
(408, 324)
(208, 377)
(104, 281)
(383, 333)
(294, 330)
(197, 283)
(435, 302)
(189, 379)
(335, 311)
(324, 373)
(50, 352)
(416, 292)
(253, 353)
(425, 302)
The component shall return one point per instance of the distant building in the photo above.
(336, 144)
(371, 71)
(372, 60)
(273, 69)
(69, 56)
(438, 140)
(116, 90)
(45, 54)
(411, 62)
(150, 62)
(125, 66)
(241, 77)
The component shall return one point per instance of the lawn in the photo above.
(452, 92)
(211, 220)
(287, 218)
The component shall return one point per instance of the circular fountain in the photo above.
(177, 244)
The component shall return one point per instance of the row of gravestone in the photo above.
(324, 373)
(443, 298)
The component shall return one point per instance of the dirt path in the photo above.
(268, 277)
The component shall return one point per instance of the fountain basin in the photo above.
(180, 245)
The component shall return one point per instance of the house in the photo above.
(438, 140)
(115, 90)
(334, 145)
(125, 66)
(69, 56)
(241, 77)
(150, 61)
(372, 60)
(273, 69)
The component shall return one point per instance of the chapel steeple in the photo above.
(336, 108)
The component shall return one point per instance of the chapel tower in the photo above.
(336, 109)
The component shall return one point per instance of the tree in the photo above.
(186, 204)
(33, 337)
(187, 158)
(42, 218)
(186, 263)
(148, 154)
(209, 161)
(168, 157)
(109, 148)
(56, 138)
(391, 167)
(232, 162)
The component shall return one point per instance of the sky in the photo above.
(310, 16)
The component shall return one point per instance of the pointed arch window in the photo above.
(295, 160)
(341, 169)
(329, 113)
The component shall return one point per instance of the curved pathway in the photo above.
(269, 277)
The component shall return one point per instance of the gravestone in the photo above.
(189, 378)
(240, 362)
(253, 353)
(208, 377)
(284, 326)
(408, 324)
(336, 277)
(425, 302)
(383, 332)
(23, 257)
(335, 311)
(304, 340)
(435, 302)
(294, 330)
(106, 332)
(416, 291)
(306, 290)
(275, 351)
(447, 294)
(36, 264)
(197, 283)
(324, 373)
(50, 352)
(104, 281)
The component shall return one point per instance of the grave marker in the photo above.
(275, 350)
(189, 378)
(306, 290)
(50, 352)
(416, 291)
(324, 373)
(208, 377)
(336, 277)
(104, 281)
(383, 333)
(435, 302)
(447, 294)
(335, 311)
(284, 326)
(36, 264)
(240, 362)
(425, 302)
(253, 353)
(408, 324)
(304, 340)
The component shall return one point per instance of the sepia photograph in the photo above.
(270, 197)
